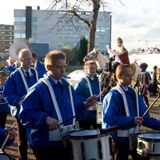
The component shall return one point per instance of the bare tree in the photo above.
(74, 6)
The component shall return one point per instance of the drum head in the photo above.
(84, 134)
(150, 137)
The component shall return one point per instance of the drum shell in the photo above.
(148, 144)
(60, 133)
(133, 141)
(90, 146)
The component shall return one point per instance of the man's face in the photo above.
(119, 43)
(58, 69)
(91, 69)
(126, 78)
(26, 60)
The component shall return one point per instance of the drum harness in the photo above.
(62, 128)
(23, 77)
(90, 89)
(126, 133)
(14, 108)
(99, 144)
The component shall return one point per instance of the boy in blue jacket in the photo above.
(49, 110)
(124, 108)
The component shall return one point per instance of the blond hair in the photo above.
(24, 52)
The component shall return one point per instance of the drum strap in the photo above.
(36, 74)
(53, 97)
(90, 89)
(126, 133)
(13, 109)
(23, 77)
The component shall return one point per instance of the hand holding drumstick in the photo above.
(139, 120)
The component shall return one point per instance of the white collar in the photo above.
(56, 81)
(124, 87)
(24, 70)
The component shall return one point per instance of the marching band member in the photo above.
(4, 108)
(124, 108)
(88, 86)
(144, 80)
(38, 65)
(10, 66)
(49, 110)
(15, 89)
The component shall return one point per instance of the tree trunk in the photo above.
(92, 32)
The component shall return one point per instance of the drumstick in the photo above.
(100, 93)
(151, 106)
(6, 139)
(79, 112)
(67, 120)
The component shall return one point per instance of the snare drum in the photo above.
(90, 144)
(99, 112)
(148, 144)
(60, 133)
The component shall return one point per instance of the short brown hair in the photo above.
(87, 63)
(53, 56)
(34, 55)
(121, 69)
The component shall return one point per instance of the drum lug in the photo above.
(153, 147)
(110, 145)
(83, 150)
(100, 155)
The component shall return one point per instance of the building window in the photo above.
(20, 19)
(10, 38)
(20, 35)
(20, 27)
(34, 19)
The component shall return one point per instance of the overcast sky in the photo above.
(136, 21)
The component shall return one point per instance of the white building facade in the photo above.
(6, 36)
(59, 29)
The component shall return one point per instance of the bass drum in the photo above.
(148, 144)
(90, 144)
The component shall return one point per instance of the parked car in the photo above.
(75, 76)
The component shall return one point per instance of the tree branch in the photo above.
(81, 18)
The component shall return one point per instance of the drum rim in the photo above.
(150, 154)
(84, 136)
(147, 138)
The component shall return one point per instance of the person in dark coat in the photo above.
(39, 66)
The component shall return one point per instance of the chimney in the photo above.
(38, 7)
